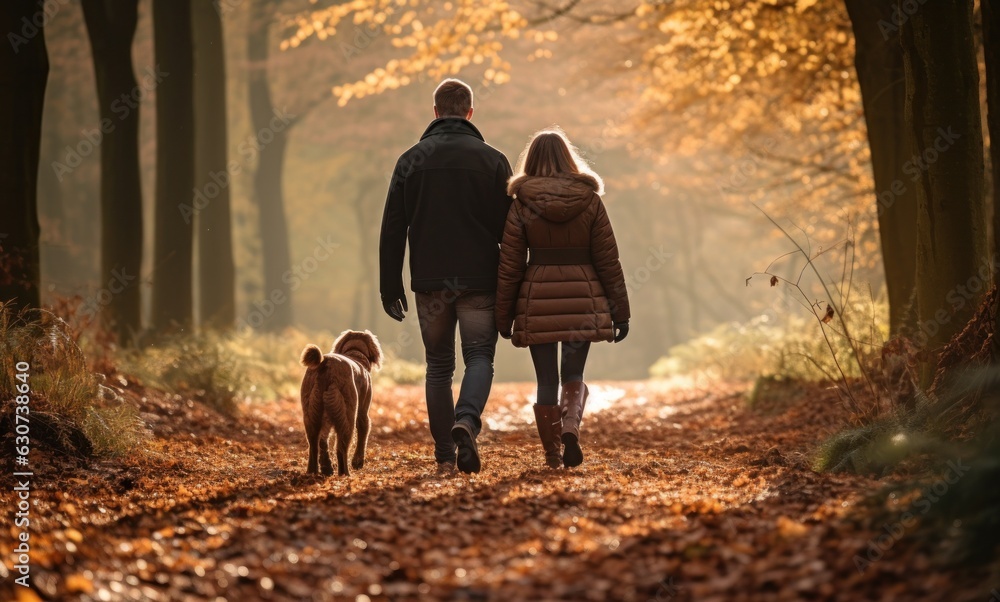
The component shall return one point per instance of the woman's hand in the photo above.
(621, 331)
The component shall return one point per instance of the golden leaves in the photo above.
(715, 75)
(323, 23)
(444, 40)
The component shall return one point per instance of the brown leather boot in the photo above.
(548, 419)
(572, 402)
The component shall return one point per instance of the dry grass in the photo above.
(65, 392)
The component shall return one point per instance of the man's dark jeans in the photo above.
(439, 312)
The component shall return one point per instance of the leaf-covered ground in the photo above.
(685, 494)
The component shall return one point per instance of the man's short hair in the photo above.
(453, 98)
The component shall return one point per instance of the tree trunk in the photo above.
(61, 264)
(879, 64)
(24, 72)
(216, 270)
(175, 148)
(111, 32)
(276, 307)
(991, 44)
(943, 110)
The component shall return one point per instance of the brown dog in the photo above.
(336, 394)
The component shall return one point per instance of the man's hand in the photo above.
(621, 331)
(396, 308)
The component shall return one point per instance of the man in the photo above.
(448, 197)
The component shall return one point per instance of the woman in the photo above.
(560, 282)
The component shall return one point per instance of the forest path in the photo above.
(685, 494)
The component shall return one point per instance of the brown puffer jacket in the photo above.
(570, 287)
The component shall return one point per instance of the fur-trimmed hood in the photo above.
(556, 198)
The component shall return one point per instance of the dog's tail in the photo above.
(312, 357)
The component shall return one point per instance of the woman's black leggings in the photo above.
(547, 370)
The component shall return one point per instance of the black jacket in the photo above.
(448, 196)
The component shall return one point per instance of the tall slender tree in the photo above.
(24, 72)
(943, 111)
(879, 64)
(216, 270)
(991, 43)
(111, 28)
(175, 151)
(268, 179)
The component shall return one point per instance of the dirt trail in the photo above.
(685, 494)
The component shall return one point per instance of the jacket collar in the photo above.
(451, 125)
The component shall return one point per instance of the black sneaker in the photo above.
(468, 452)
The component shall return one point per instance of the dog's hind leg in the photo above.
(364, 426)
(343, 445)
(325, 465)
(312, 436)
(343, 423)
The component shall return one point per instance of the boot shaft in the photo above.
(572, 402)
(548, 419)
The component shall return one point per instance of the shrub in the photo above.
(760, 347)
(72, 409)
(223, 370)
(841, 341)
(200, 367)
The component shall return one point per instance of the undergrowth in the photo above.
(72, 408)
(77, 373)
(946, 465)
(223, 370)
(837, 335)
(792, 348)
(896, 427)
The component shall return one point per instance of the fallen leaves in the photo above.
(790, 528)
(78, 584)
(24, 594)
(722, 509)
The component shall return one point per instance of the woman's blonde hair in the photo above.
(550, 153)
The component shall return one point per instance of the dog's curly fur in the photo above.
(336, 395)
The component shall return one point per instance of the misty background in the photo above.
(680, 186)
